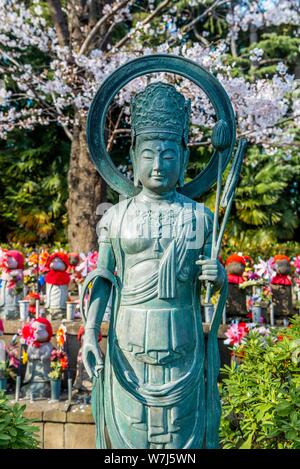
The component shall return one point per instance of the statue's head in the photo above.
(282, 264)
(37, 331)
(14, 260)
(160, 125)
(235, 264)
(58, 261)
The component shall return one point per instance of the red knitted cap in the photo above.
(281, 257)
(235, 258)
(27, 331)
(18, 256)
(62, 256)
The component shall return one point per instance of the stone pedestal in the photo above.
(282, 300)
(236, 302)
(62, 426)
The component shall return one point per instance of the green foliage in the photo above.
(7, 371)
(16, 431)
(265, 211)
(33, 175)
(279, 46)
(261, 395)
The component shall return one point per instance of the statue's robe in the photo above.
(36, 383)
(281, 286)
(9, 300)
(154, 384)
(56, 300)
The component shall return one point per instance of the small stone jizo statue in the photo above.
(11, 289)
(236, 300)
(37, 334)
(57, 281)
(281, 286)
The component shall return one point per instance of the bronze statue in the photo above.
(158, 390)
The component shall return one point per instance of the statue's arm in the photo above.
(100, 293)
(101, 289)
(212, 270)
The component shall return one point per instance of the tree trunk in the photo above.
(86, 191)
(60, 22)
(253, 34)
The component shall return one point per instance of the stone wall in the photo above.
(62, 426)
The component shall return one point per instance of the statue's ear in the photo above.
(185, 160)
(135, 167)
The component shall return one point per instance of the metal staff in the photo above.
(221, 141)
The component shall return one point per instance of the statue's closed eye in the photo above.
(148, 155)
(167, 155)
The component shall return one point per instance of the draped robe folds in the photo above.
(154, 382)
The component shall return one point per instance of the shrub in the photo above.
(261, 395)
(16, 431)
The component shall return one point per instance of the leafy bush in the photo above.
(261, 395)
(16, 431)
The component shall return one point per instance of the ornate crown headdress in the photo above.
(160, 108)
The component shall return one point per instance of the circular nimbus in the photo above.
(143, 66)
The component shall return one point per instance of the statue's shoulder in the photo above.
(186, 203)
(110, 221)
(200, 210)
(209, 216)
(198, 206)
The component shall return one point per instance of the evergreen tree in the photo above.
(33, 186)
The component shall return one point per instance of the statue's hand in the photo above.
(91, 354)
(210, 271)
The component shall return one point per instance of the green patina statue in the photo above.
(158, 387)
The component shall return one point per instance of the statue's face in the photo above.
(57, 264)
(40, 332)
(158, 162)
(235, 268)
(11, 262)
(283, 267)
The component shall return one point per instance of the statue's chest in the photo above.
(147, 230)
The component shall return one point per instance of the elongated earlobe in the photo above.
(135, 179)
(135, 168)
(185, 159)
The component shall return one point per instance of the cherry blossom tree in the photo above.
(77, 44)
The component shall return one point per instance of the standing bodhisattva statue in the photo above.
(158, 386)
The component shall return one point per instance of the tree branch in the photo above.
(43, 103)
(60, 22)
(282, 121)
(147, 20)
(65, 128)
(93, 33)
(192, 24)
(111, 139)
(233, 47)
